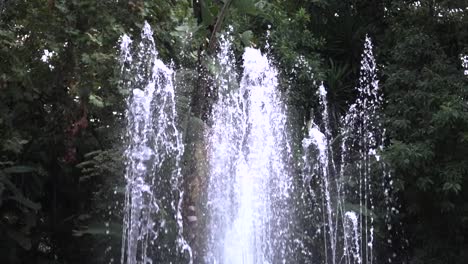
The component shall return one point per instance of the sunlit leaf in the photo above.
(96, 100)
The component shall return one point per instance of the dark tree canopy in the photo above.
(62, 108)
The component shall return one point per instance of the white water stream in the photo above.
(152, 218)
(249, 184)
(250, 195)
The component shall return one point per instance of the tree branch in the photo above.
(219, 22)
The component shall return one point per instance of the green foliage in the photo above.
(58, 69)
(427, 119)
(59, 101)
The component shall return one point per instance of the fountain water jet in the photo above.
(249, 185)
(152, 229)
(343, 194)
(250, 201)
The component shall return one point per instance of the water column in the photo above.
(249, 182)
(320, 171)
(342, 195)
(152, 228)
(363, 134)
(226, 139)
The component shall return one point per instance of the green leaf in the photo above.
(246, 37)
(94, 39)
(86, 59)
(452, 186)
(92, 153)
(424, 183)
(207, 16)
(84, 164)
(99, 229)
(19, 169)
(96, 101)
(246, 6)
(14, 145)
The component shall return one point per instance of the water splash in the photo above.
(352, 236)
(327, 199)
(152, 228)
(226, 138)
(464, 62)
(362, 141)
(343, 194)
(249, 183)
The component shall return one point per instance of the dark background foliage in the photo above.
(61, 173)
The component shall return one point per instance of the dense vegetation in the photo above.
(61, 108)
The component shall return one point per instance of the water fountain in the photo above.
(250, 201)
(320, 172)
(152, 228)
(249, 183)
(343, 194)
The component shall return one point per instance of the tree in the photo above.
(427, 123)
